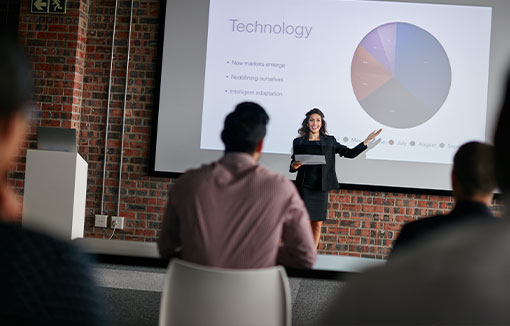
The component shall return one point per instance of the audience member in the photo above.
(454, 278)
(42, 281)
(501, 152)
(473, 183)
(234, 213)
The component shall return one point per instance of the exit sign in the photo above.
(48, 6)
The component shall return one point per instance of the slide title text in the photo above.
(298, 31)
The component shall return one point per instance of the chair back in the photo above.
(199, 295)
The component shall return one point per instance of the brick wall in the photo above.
(364, 223)
(71, 56)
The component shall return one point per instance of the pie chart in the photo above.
(400, 75)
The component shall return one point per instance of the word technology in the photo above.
(298, 31)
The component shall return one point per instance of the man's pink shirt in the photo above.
(234, 213)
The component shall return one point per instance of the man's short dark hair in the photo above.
(473, 168)
(16, 83)
(244, 128)
(501, 142)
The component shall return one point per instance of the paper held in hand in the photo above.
(311, 159)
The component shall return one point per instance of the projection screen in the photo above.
(429, 73)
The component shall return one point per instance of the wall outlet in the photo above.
(118, 222)
(100, 221)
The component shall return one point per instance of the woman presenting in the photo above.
(315, 181)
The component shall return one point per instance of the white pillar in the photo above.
(55, 193)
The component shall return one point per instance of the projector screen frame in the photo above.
(152, 172)
(351, 186)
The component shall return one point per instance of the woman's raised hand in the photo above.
(371, 136)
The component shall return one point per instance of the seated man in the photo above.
(452, 278)
(234, 213)
(473, 183)
(42, 281)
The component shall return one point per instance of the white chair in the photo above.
(199, 295)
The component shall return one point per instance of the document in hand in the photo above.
(311, 159)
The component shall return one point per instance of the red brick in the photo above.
(47, 36)
(58, 28)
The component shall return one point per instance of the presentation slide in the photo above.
(419, 71)
(430, 73)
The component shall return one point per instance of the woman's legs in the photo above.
(316, 229)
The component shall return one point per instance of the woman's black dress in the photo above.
(316, 200)
(315, 181)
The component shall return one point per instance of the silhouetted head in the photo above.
(245, 128)
(16, 87)
(473, 170)
(16, 80)
(313, 114)
(502, 145)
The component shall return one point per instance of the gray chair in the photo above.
(200, 295)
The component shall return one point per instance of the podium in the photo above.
(55, 193)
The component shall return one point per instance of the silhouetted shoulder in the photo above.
(65, 291)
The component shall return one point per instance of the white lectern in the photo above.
(55, 193)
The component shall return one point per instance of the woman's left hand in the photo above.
(371, 136)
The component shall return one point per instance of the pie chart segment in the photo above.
(367, 83)
(373, 44)
(369, 73)
(422, 65)
(388, 35)
(365, 62)
(403, 111)
(400, 74)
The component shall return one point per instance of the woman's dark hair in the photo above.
(244, 128)
(304, 131)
